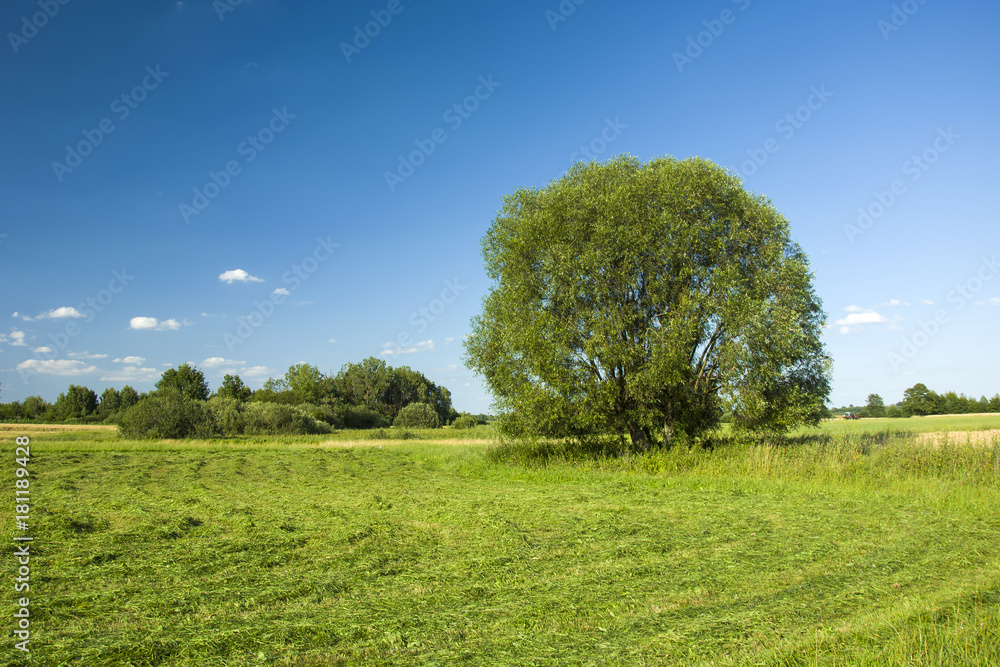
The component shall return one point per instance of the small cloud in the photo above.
(239, 275)
(152, 324)
(208, 314)
(215, 362)
(281, 291)
(870, 317)
(257, 371)
(892, 303)
(26, 318)
(422, 346)
(332, 340)
(854, 309)
(65, 311)
(131, 374)
(448, 340)
(86, 355)
(130, 360)
(926, 302)
(993, 302)
(45, 349)
(56, 367)
(16, 338)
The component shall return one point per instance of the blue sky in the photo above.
(249, 185)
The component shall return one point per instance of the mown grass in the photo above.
(853, 549)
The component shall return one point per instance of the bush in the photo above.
(361, 416)
(167, 414)
(417, 415)
(278, 419)
(323, 413)
(465, 421)
(228, 415)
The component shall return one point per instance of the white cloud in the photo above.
(448, 340)
(215, 362)
(16, 338)
(422, 346)
(993, 301)
(894, 302)
(854, 309)
(208, 314)
(86, 355)
(131, 374)
(238, 275)
(870, 317)
(45, 349)
(151, 323)
(130, 360)
(332, 340)
(65, 311)
(926, 302)
(281, 291)
(56, 367)
(256, 371)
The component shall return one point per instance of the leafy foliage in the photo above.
(417, 415)
(167, 414)
(185, 379)
(634, 298)
(233, 387)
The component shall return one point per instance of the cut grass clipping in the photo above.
(857, 548)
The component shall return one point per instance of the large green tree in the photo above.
(187, 380)
(631, 298)
(875, 406)
(233, 387)
(77, 401)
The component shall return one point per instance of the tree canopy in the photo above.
(187, 380)
(634, 298)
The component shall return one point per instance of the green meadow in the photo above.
(862, 543)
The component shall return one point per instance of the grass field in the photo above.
(860, 545)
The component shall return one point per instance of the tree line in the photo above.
(919, 401)
(368, 394)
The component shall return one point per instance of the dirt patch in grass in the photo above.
(980, 438)
(379, 443)
(42, 428)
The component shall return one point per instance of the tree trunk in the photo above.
(668, 435)
(640, 436)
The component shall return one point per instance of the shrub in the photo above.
(417, 415)
(464, 421)
(167, 414)
(278, 419)
(228, 415)
(361, 416)
(323, 413)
